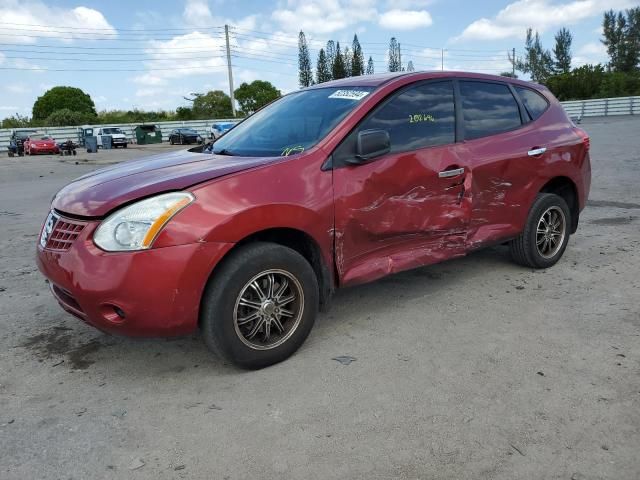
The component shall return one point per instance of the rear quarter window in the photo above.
(533, 101)
(488, 109)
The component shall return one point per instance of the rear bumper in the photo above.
(154, 292)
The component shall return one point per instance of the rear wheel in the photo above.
(546, 233)
(260, 305)
(171, 140)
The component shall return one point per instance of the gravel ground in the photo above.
(474, 368)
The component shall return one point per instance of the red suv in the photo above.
(338, 184)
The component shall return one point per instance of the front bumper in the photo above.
(44, 150)
(153, 292)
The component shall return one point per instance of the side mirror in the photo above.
(371, 144)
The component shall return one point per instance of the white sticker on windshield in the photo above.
(349, 94)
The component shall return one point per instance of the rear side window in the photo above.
(534, 102)
(487, 109)
(418, 117)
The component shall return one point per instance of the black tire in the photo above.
(124, 146)
(524, 249)
(170, 140)
(226, 285)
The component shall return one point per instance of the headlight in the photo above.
(135, 227)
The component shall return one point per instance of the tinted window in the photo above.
(535, 103)
(487, 109)
(421, 116)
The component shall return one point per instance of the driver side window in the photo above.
(417, 117)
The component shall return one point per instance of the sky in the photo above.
(149, 55)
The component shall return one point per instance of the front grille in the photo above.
(64, 233)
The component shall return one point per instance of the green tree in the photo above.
(370, 67)
(537, 61)
(357, 59)
(562, 51)
(67, 118)
(622, 38)
(213, 104)
(323, 74)
(58, 98)
(395, 64)
(330, 52)
(581, 83)
(508, 74)
(410, 67)
(255, 95)
(305, 74)
(337, 69)
(15, 121)
(347, 58)
(184, 113)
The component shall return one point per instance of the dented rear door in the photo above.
(409, 207)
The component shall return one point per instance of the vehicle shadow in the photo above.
(67, 343)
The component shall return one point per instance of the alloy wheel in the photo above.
(268, 309)
(550, 232)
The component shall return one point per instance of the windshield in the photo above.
(186, 130)
(110, 131)
(292, 124)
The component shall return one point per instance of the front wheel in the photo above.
(545, 234)
(259, 305)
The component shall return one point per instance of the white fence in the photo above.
(603, 107)
(578, 108)
(203, 127)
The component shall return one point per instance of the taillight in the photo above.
(585, 138)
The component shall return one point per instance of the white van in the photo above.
(118, 138)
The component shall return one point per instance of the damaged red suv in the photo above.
(334, 185)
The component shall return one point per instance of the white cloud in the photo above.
(405, 19)
(408, 4)
(541, 15)
(590, 53)
(25, 21)
(197, 13)
(323, 16)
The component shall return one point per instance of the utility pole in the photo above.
(399, 58)
(233, 100)
(442, 59)
(513, 62)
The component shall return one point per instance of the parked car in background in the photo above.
(38, 143)
(219, 128)
(335, 185)
(184, 136)
(16, 142)
(118, 138)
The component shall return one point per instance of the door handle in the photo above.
(451, 173)
(534, 152)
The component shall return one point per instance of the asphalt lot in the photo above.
(474, 368)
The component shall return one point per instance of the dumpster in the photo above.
(84, 132)
(146, 134)
(91, 142)
(107, 142)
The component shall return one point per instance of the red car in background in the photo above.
(331, 186)
(38, 143)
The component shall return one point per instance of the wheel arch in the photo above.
(567, 189)
(297, 240)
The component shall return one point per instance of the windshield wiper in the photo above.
(224, 151)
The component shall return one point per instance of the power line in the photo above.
(118, 29)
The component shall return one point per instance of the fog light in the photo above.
(112, 313)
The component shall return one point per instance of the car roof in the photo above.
(377, 80)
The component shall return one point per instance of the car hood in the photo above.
(42, 143)
(100, 192)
